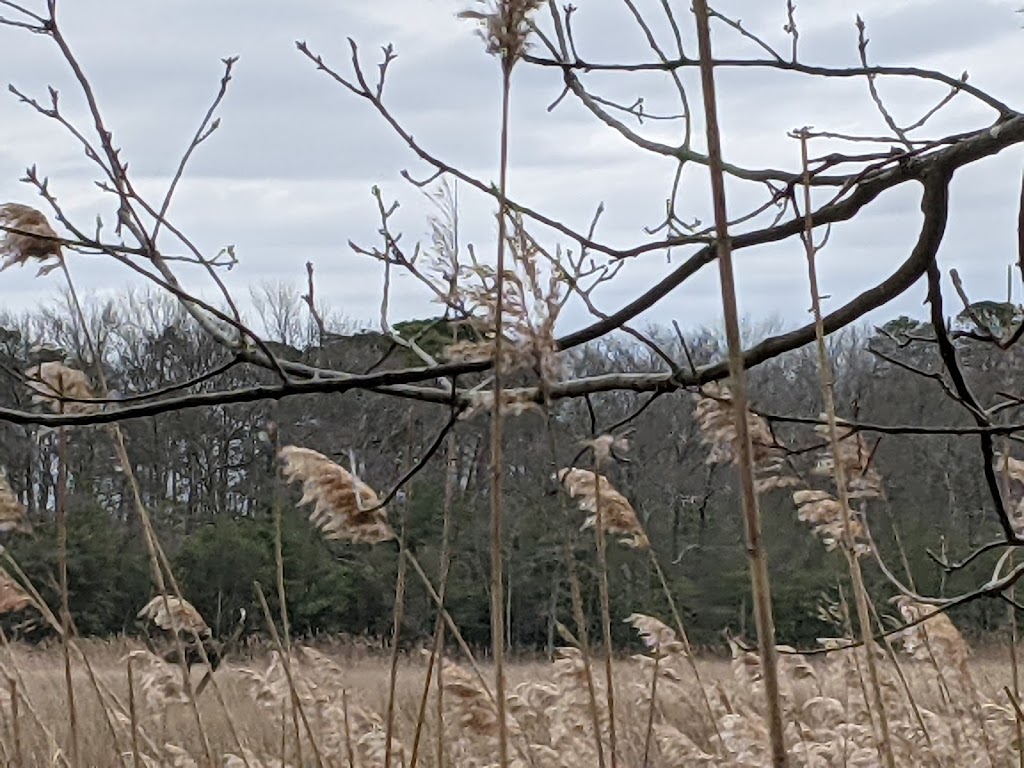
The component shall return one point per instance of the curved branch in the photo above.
(959, 84)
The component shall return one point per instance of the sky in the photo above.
(287, 177)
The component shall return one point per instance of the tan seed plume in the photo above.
(594, 494)
(714, 415)
(32, 243)
(159, 682)
(862, 479)
(344, 506)
(173, 613)
(824, 512)
(12, 597)
(937, 634)
(12, 512)
(656, 635)
(60, 388)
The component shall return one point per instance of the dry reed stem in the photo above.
(62, 571)
(602, 513)
(912, 704)
(757, 557)
(398, 614)
(157, 557)
(273, 435)
(843, 459)
(437, 648)
(286, 666)
(13, 672)
(103, 694)
(133, 716)
(579, 616)
(505, 28)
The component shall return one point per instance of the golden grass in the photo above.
(967, 717)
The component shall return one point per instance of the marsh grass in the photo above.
(823, 703)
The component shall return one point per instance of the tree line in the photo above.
(210, 480)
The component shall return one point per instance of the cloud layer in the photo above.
(287, 177)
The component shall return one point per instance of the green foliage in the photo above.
(434, 334)
(219, 563)
(107, 569)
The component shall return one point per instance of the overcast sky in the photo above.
(287, 177)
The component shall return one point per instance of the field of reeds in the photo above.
(910, 696)
(874, 694)
(943, 708)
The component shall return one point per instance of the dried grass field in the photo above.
(942, 710)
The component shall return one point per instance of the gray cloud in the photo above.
(287, 177)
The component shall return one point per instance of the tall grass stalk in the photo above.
(760, 584)
(576, 597)
(839, 470)
(434, 667)
(606, 621)
(398, 613)
(685, 639)
(157, 556)
(103, 693)
(277, 504)
(287, 667)
(62, 565)
(16, 722)
(133, 717)
(20, 691)
(497, 461)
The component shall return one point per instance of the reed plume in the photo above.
(35, 240)
(936, 634)
(344, 506)
(12, 511)
(714, 415)
(174, 614)
(60, 387)
(595, 495)
(13, 597)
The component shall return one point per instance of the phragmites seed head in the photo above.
(13, 597)
(61, 388)
(1014, 470)
(606, 447)
(504, 25)
(174, 614)
(159, 682)
(936, 634)
(344, 506)
(715, 415)
(825, 514)
(594, 494)
(12, 512)
(862, 479)
(34, 239)
(656, 635)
